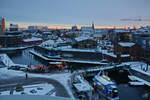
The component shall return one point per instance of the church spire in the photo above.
(93, 25)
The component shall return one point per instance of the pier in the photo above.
(67, 60)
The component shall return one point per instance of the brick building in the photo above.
(127, 50)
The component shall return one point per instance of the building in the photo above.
(74, 28)
(10, 41)
(84, 42)
(35, 28)
(32, 41)
(97, 37)
(2, 26)
(13, 27)
(117, 35)
(143, 40)
(89, 29)
(13, 33)
(31, 28)
(126, 51)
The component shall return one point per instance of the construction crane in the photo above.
(134, 19)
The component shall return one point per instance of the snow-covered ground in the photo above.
(36, 89)
(63, 78)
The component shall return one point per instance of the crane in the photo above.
(135, 19)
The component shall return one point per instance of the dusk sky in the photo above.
(71, 12)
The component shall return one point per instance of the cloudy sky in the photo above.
(71, 12)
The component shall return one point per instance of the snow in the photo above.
(141, 80)
(83, 85)
(45, 89)
(13, 48)
(63, 78)
(32, 39)
(136, 83)
(125, 55)
(137, 67)
(126, 44)
(6, 60)
(8, 74)
(81, 38)
(106, 52)
(47, 43)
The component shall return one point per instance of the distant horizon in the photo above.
(67, 26)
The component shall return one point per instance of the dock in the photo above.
(67, 60)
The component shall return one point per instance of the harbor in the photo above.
(123, 85)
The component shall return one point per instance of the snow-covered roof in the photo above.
(32, 39)
(81, 38)
(83, 85)
(126, 44)
(14, 26)
(48, 42)
(122, 30)
(97, 35)
(125, 55)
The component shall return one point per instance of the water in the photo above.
(24, 57)
(126, 92)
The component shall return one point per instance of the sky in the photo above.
(55, 13)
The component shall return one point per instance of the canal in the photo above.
(126, 92)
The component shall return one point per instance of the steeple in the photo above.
(93, 25)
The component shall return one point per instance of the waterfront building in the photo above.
(10, 41)
(84, 42)
(143, 40)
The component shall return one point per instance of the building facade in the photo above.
(10, 41)
(13, 27)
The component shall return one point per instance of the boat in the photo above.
(105, 87)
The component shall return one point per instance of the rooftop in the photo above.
(126, 44)
(81, 38)
(32, 39)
